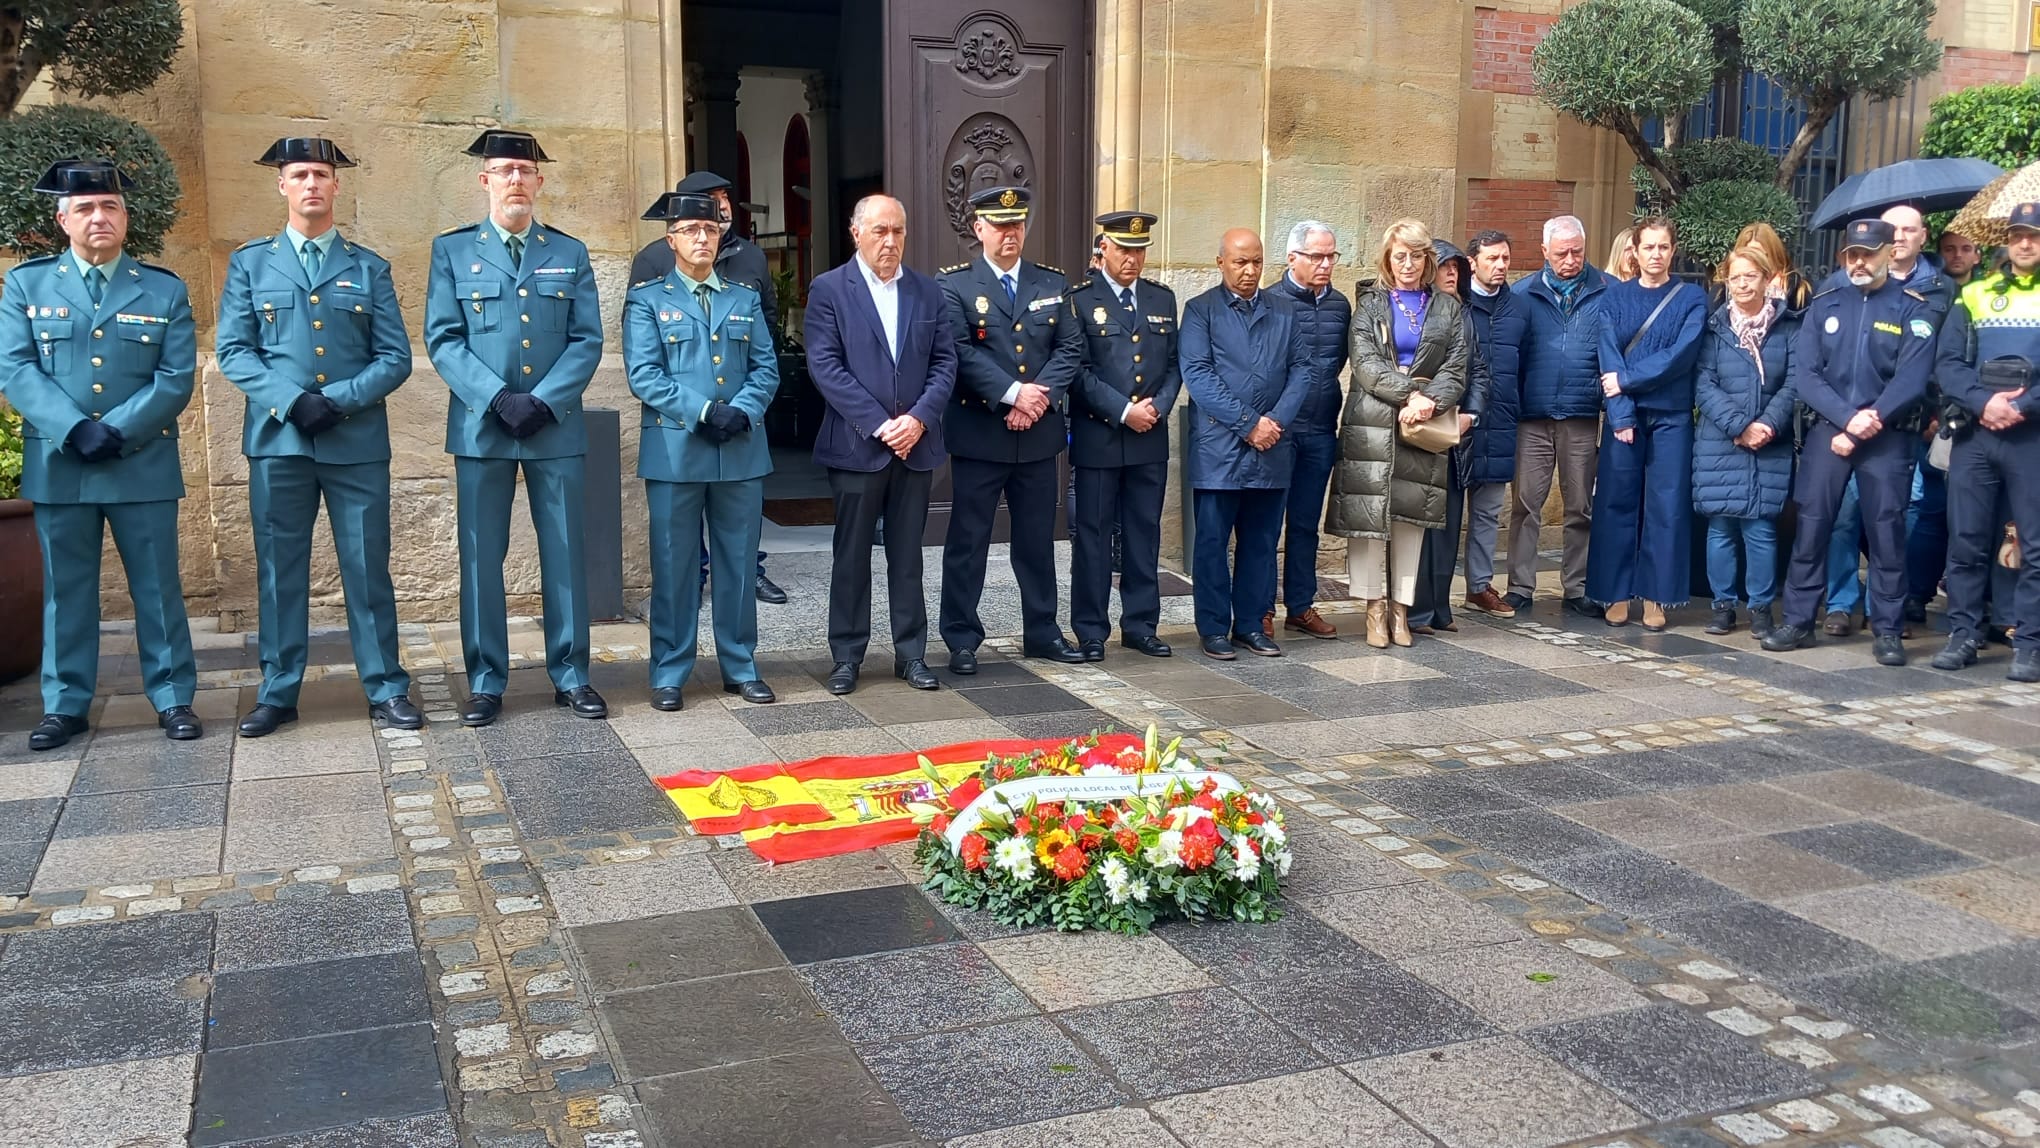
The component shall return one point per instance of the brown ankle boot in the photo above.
(1654, 616)
(1617, 613)
(1399, 624)
(1377, 623)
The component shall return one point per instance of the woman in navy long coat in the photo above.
(1742, 453)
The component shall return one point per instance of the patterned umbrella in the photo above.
(1983, 219)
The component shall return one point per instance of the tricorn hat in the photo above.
(499, 144)
(674, 206)
(304, 149)
(84, 177)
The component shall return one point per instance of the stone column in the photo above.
(717, 150)
(828, 237)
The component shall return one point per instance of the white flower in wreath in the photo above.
(1167, 851)
(1114, 873)
(1246, 866)
(1138, 889)
(1275, 834)
(1280, 858)
(1016, 856)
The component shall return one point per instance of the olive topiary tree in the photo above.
(93, 47)
(1824, 53)
(1702, 161)
(1617, 64)
(1711, 215)
(38, 137)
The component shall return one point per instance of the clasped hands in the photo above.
(95, 441)
(2001, 412)
(1866, 424)
(723, 422)
(900, 434)
(523, 415)
(1028, 407)
(1755, 436)
(314, 414)
(1142, 416)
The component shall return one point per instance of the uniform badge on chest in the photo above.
(1098, 315)
(2000, 303)
(984, 305)
(1832, 325)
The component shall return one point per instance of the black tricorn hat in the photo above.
(499, 144)
(84, 177)
(674, 206)
(304, 149)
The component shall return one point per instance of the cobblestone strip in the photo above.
(1878, 1092)
(523, 1060)
(59, 908)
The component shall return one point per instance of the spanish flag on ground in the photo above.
(832, 805)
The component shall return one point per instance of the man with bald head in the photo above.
(1247, 366)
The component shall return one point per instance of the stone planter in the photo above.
(21, 607)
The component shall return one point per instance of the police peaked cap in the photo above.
(1868, 234)
(1128, 228)
(2024, 217)
(673, 207)
(701, 183)
(499, 144)
(1001, 204)
(84, 177)
(304, 149)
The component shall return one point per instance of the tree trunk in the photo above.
(1817, 117)
(12, 82)
(1648, 156)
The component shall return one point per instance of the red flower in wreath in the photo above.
(1023, 824)
(1074, 823)
(1070, 863)
(975, 851)
(1200, 844)
(1097, 755)
(1128, 840)
(1207, 801)
(966, 793)
(940, 824)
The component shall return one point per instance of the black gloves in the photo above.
(724, 422)
(314, 413)
(521, 414)
(95, 441)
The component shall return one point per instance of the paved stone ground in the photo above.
(1555, 884)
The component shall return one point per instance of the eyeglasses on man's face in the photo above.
(695, 230)
(515, 171)
(1318, 256)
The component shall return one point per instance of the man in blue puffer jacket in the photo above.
(1560, 423)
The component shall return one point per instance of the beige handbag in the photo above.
(1437, 434)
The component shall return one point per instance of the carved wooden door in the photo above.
(981, 98)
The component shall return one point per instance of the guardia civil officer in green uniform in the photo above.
(97, 354)
(309, 329)
(512, 325)
(700, 359)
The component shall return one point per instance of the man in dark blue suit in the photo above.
(880, 350)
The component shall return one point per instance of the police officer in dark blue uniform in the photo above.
(1119, 439)
(1862, 361)
(1987, 352)
(1016, 357)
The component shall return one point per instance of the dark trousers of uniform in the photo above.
(1129, 497)
(899, 495)
(1926, 531)
(1232, 599)
(1642, 534)
(145, 534)
(1882, 468)
(1983, 468)
(283, 502)
(1305, 513)
(1031, 495)
(735, 513)
(486, 487)
(1435, 562)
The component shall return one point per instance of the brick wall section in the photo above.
(1969, 67)
(1519, 208)
(1502, 43)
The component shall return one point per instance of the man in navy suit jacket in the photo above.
(880, 350)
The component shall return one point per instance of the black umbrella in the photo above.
(1928, 184)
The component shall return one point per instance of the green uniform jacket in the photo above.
(681, 361)
(127, 362)
(491, 327)
(343, 336)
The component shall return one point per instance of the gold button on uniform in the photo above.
(1136, 358)
(717, 359)
(527, 370)
(1136, 378)
(95, 360)
(315, 298)
(99, 334)
(714, 338)
(1136, 338)
(145, 338)
(357, 306)
(1019, 347)
(319, 378)
(96, 388)
(474, 294)
(527, 343)
(524, 318)
(1023, 368)
(521, 292)
(95, 414)
(318, 350)
(318, 324)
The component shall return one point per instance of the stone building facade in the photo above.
(1213, 113)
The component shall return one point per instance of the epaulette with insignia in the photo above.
(953, 270)
(1157, 285)
(646, 282)
(41, 259)
(255, 242)
(1056, 271)
(1086, 281)
(1824, 292)
(1915, 294)
(561, 234)
(356, 245)
(160, 270)
(457, 227)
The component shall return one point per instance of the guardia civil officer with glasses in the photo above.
(97, 353)
(512, 325)
(1985, 369)
(310, 331)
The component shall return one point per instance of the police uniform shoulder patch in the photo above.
(1921, 328)
(360, 248)
(951, 270)
(1150, 283)
(745, 286)
(160, 270)
(258, 241)
(1824, 293)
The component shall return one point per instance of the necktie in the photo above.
(312, 257)
(1126, 299)
(701, 294)
(516, 245)
(1012, 289)
(94, 284)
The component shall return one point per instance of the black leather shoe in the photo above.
(180, 724)
(55, 730)
(1959, 652)
(1093, 649)
(1059, 650)
(481, 709)
(963, 662)
(917, 674)
(584, 701)
(1888, 649)
(666, 699)
(1584, 606)
(2025, 666)
(1257, 643)
(769, 591)
(1516, 602)
(1219, 648)
(1788, 637)
(266, 719)
(397, 713)
(1147, 644)
(1915, 610)
(843, 678)
(755, 692)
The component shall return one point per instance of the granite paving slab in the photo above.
(1444, 796)
(1297, 942)
(915, 991)
(1996, 895)
(1863, 792)
(1525, 984)
(1558, 783)
(1074, 970)
(1956, 779)
(1658, 770)
(670, 947)
(29, 780)
(159, 949)
(1912, 1003)
(1650, 820)
(319, 1082)
(1529, 834)
(113, 765)
(1636, 882)
(1759, 808)
(2005, 972)
(1768, 941)
(655, 886)
(526, 731)
(1763, 868)
(690, 1025)
(854, 923)
(78, 862)
(1406, 920)
(257, 843)
(1669, 1064)
(1899, 923)
(1878, 850)
(1111, 1126)
(1974, 829)
(1336, 863)
(71, 1028)
(754, 879)
(142, 1102)
(816, 1098)
(1162, 1045)
(1757, 758)
(956, 1083)
(111, 814)
(1322, 1106)
(1355, 1014)
(18, 863)
(1494, 1093)
(285, 1002)
(304, 931)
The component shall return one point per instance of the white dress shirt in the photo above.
(1126, 298)
(886, 297)
(1012, 394)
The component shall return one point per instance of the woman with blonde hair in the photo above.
(1409, 356)
(1622, 255)
(1786, 281)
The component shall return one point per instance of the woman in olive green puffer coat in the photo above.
(1409, 357)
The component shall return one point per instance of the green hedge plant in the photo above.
(32, 140)
(1710, 216)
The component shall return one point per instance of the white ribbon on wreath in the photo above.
(1095, 787)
